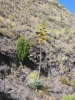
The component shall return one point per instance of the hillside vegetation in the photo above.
(22, 18)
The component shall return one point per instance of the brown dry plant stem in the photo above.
(40, 61)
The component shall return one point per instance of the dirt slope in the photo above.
(21, 17)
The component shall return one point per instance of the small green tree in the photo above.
(22, 48)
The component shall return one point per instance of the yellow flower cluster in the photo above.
(41, 40)
(41, 33)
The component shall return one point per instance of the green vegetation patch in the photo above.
(34, 81)
(73, 85)
(70, 97)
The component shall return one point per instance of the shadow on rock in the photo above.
(44, 71)
(29, 63)
(4, 59)
(4, 96)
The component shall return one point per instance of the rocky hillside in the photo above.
(21, 17)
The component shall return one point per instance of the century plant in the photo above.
(41, 37)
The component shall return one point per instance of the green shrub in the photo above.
(73, 85)
(70, 97)
(22, 48)
(33, 81)
(33, 75)
(35, 84)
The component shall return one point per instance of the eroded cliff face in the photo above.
(7, 43)
(21, 17)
